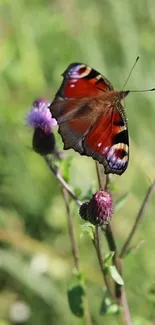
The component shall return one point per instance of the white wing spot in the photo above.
(105, 150)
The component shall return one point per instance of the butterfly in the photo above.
(91, 118)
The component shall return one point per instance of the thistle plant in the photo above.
(97, 212)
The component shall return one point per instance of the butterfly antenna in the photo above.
(130, 72)
(142, 90)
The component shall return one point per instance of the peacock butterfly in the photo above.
(91, 117)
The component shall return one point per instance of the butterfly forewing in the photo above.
(91, 118)
(82, 81)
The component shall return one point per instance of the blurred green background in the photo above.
(38, 40)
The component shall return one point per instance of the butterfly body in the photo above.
(91, 117)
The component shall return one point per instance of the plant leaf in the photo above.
(87, 228)
(108, 258)
(76, 294)
(115, 275)
(108, 307)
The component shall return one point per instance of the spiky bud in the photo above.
(99, 209)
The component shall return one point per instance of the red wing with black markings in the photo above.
(91, 118)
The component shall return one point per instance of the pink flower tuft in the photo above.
(40, 115)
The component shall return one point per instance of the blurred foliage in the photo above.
(39, 39)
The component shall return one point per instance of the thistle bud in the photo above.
(99, 209)
(43, 142)
(40, 118)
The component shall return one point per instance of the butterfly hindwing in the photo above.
(108, 143)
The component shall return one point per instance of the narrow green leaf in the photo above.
(107, 259)
(115, 275)
(113, 309)
(108, 307)
(87, 228)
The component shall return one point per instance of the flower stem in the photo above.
(98, 246)
(138, 219)
(109, 236)
(120, 294)
(75, 251)
(61, 180)
(66, 191)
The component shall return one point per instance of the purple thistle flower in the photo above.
(40, 118)
(40, 115)
(99, 209)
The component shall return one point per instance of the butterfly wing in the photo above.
(87, 122)
(74, 118)
(108, 142)
(82, 81)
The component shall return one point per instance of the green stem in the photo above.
(120, 294)
(110, 239)
(61, 180)
(98, 246)
(71, 228)
(66, 191)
